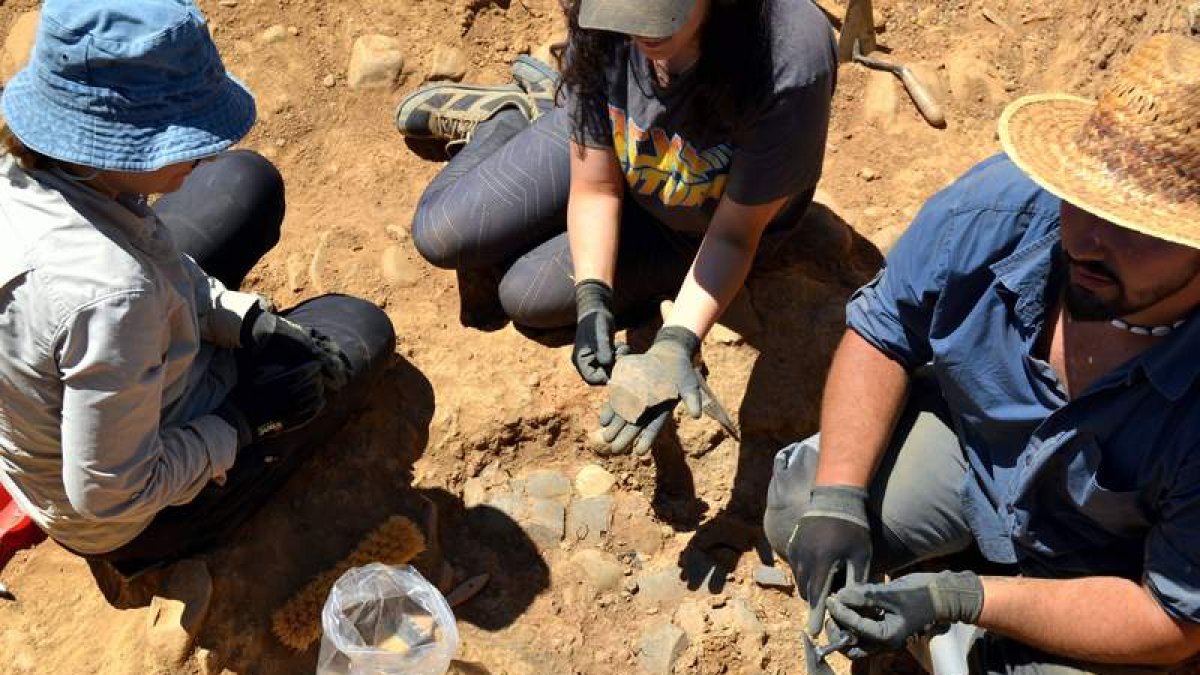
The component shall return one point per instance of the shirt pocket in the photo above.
(1118, 511)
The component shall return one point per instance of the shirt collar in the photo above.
(1023, 277)
(1172, 366)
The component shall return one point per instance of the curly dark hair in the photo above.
(733, 75)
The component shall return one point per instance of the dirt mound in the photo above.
(478, 436)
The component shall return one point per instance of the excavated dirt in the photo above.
(464, 417)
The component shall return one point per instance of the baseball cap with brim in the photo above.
(653, 19)
(1133, 156)
(129, 85)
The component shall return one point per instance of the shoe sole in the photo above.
(409, 103)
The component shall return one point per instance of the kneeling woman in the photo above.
(690, 129)
(145, 408)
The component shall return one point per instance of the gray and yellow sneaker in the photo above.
(450, 111)
(538, 78)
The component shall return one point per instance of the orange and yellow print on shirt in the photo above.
(668, 167)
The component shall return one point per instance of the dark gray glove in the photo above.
(832, 536)
(274, 399)
(594, 353)
(884, 616)
(666, 366)
(275, 339)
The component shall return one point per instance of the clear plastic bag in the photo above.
(382, 620)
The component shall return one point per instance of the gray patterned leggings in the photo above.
(501, 204)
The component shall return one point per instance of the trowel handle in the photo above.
(922, 98)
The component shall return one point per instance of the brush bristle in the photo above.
(297, 623)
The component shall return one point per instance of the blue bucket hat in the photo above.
(126, 85)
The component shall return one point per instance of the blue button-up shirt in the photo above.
(1105, 483)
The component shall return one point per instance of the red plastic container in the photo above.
(17, 530)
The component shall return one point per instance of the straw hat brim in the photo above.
(1038, 133)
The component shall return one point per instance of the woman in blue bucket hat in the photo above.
(147, 407)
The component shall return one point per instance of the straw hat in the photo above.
(1133, 157)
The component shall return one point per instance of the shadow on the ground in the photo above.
(335, 500)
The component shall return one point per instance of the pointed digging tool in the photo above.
(930, 110)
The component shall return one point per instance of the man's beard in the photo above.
(1083, 305)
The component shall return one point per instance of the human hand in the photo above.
(645, 388)
(884, 616)
(278, 340)
(274, 399)
(594, 353)
(831, 536)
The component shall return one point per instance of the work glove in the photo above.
(884, 616)
(657, 381)
(274, 399)
(275, 339)
(594, 353)
(831, 537)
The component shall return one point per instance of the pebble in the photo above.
(659, 648)
(661, 587)
(375, 62)
(692, 617)
(547, 484)
(771, 577)
(589, 519)
(593, 480)
(293, 31)
(546, 522)
(398, 269)
(329, 81)
(448, 63)
(601, 570)
(272, 35)
(868, 174)
(228, 3)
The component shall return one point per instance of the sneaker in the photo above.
(450, 111)
(538, 78)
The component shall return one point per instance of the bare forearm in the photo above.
(593, 225)
(864, 394)
(1096, 619)
(716, 276)
(594, 212)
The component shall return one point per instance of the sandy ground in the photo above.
(465, 415)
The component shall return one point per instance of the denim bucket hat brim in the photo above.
(134, 85)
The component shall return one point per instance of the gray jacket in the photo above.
(111, 359)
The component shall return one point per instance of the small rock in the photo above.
(18, 44)
(601, 570)
(1194, 12)
(474, 493)
(593, 480)
(661, 587)
(547, 484)
(717, 601)
(631, 585)
(398, 268)
(868, 174)
(659, 647)
(375, 61)
(508, 503)
(228, 3)
(272, 35)
(590, 518)
(546, 522)
(771, 577)
(692, 617)
(177, 615)
(448, 63)
(329, 81)
(293, 31)
(738, 616)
